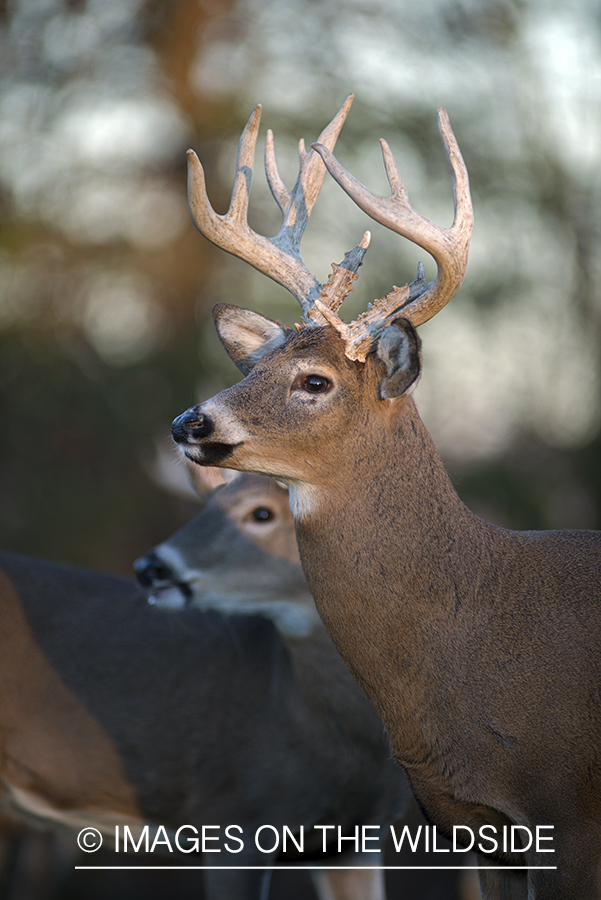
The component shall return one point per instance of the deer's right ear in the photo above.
(398, 348)
(247, 336)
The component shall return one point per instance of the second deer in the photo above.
(115, 713)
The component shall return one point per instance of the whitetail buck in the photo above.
(115, 712)
(480, 647)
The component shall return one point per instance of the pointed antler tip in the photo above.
(328, 315)
(386, 153)
(321, 150)
(346, 105)
(331, 317)
(195, 168)
(365, 240)
(254, 118)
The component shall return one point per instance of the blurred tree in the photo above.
(102, 272)
(105, 286)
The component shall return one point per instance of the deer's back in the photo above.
(186, 705)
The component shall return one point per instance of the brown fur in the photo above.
(480, 647)
(50, 746)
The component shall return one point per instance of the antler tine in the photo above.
(278, 258)
(448, 246)
(280, 192)
(312, 172)
(464, 213)
(245, 161)
(296, 205)
(205, 218)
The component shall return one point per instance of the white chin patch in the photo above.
(168, 598)
(190, 453)
(292, 619)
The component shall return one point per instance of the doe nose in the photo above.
(150, 569)
(191, 425)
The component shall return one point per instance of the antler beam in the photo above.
(279, 257)
(449, 246)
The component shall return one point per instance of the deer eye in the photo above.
(316, 384)
(262, 514)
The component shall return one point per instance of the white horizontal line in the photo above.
(329, 868)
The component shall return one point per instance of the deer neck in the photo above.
(387, 500)
(398, 583)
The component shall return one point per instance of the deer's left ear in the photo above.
(398, 348)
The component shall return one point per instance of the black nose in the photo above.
(150, 570)
(191, 425)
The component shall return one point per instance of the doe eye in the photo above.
(316, 384)
(262, 514)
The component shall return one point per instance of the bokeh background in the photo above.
(106, 288)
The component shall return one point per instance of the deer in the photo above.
(247, 520)
(480, 647)
(250, 516)
(115, 712)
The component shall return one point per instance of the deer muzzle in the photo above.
(191, 426)
(160, 580)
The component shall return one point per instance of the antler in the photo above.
(280, 258)
(420, 300)
(277, 257)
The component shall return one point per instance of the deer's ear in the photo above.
(398, 348)
(247, 336)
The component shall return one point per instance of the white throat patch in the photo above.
(304, 499)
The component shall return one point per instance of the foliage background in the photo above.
(106, 288)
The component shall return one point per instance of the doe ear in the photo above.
(399, 349)
(204, 479)
(247, 336)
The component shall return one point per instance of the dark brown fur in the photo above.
(113, 711)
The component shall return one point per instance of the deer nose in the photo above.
(191, 425)
(150, 569)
